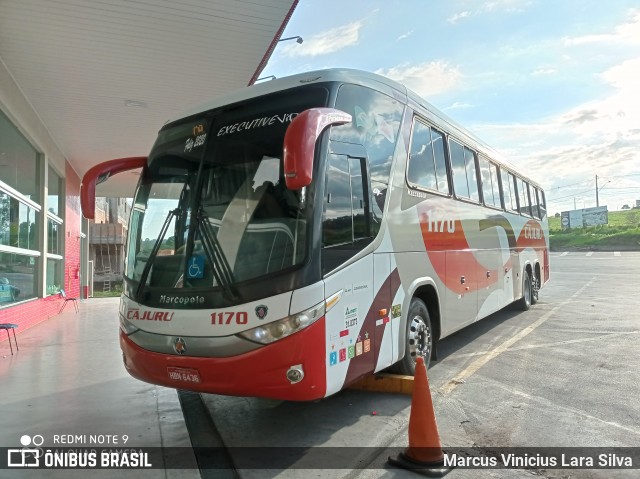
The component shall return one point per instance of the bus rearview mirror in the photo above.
(300, 143)
(99, 173)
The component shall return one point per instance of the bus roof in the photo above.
(371, 80)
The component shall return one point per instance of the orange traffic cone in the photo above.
(424, 454)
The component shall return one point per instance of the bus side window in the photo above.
(437, 142)
(421, 170)
(523, 197)
(535, 202)
(458, 170)
(375, 126)
(508, 190)
(542, 204)
(463, 170)
(347, 212)
(490, 189)
(427, 167)
(472, 177)
(495, 185)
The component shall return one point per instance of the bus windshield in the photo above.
(212, 208)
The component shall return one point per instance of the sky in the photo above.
(552, 85)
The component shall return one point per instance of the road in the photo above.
(564, 374)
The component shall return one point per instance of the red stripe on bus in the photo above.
(259, 373)
(455, 245)
(366, 363)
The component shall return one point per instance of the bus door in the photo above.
(351, 323)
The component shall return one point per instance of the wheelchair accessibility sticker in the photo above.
(196, 267)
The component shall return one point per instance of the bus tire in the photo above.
(419, 337)
(524, 303)
(535, 290)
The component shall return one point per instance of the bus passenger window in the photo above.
(427, 165)
(523, 196)
(542, 204)
(421, 170)
(487, 183)
(437, 141)
(508, 190)
(490, 189)
(495, 185)
(375, 125)
(472, 179)
(534, 201)
(458, 169)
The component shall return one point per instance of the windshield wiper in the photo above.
(154, 250)
(220, 266)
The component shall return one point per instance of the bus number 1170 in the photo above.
(228, 317)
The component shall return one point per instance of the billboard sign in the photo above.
(595, 216)
(585, 217)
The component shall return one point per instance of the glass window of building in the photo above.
(20, 220)
(55, 228)
(18, 161)
(54, 195)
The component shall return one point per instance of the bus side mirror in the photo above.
(100, 173)
(300, 143)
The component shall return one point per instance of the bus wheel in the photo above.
(535, 290)
(419, 337)
(527, 292)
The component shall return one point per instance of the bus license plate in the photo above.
(184, 375)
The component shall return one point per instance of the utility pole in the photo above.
(597, 199)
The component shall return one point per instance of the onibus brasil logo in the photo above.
(31, 455)
(27, 456)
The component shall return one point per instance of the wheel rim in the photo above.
(419, 339)
(527, 289)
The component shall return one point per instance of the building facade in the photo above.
(107, 236)
(41, 234)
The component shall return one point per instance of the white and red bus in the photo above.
(298, 234)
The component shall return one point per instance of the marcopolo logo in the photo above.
(166, 299)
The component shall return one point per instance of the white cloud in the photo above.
(426, 79)
(506, 6)
(405, 35)
(510, 6)
(458, 16)
(543, 71)
(329, 41)
(597, 137)
(458, 106)
(628, 32)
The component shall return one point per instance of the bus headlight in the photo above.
(127, 327)
(284, 327)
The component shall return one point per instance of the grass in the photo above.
(114, 293)
(622, 232)
(106, 294)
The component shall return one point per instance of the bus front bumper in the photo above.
(259, 373)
